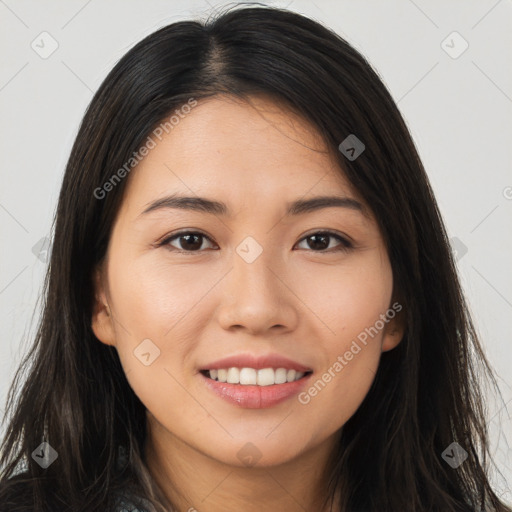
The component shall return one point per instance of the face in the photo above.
(252, 286)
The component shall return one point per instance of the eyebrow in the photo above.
(204, 205)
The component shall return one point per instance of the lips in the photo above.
(257, 362)
(289, 378)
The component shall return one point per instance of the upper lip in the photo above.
(256, 362)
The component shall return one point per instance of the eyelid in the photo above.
(346, 241)
(167, 238)
(327, 231)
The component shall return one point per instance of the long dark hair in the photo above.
(75, 395)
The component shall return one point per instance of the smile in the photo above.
(253, 395)
(253, 376)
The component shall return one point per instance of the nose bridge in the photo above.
(254, 296)
(254, 269)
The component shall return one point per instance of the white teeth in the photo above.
(233, 376)
(280, 376)
(251, 376)
(266, 377)
(248, 376)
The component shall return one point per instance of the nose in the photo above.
(257, 297)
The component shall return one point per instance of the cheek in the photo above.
(338, 390)
(348, 299)
(350, 307)
(349, 363)
(154, 298)
(168, 305)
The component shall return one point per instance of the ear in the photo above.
(102, 322)
(394, 328)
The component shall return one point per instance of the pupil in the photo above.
(187, 238)
(316, 238)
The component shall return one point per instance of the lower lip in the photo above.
(255, 397)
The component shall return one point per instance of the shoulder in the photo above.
(124, 504)
(127, 503)
(17, 495)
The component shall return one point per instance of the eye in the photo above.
(320, 240)
(190, 241)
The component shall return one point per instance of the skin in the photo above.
(296, 300)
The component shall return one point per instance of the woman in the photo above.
(251, 302)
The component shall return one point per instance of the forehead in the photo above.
(241, 152)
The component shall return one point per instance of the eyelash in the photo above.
(344, 246)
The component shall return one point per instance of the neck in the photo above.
(193, 481)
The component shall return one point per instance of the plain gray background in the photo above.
(457, 102)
